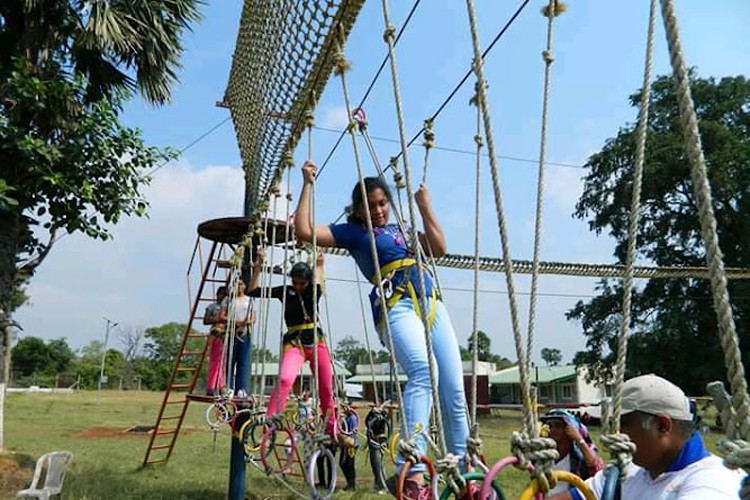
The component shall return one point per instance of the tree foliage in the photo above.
(673, 323)
(551, 356)
(351, 353)
(66, 67)
(484, 351)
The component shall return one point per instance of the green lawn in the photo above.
(109, 467)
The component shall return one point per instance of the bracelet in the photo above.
(583, 442)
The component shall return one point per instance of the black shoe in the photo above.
(392, 483)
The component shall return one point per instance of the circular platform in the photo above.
(231, 230)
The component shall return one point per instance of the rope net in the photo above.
(281, 62)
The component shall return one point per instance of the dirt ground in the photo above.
(119, 432)
(16, 470)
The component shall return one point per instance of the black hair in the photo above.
(221, 289)
(301, 270)
(371, 184)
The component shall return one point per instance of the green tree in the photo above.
(60, 355)
(263, 355)
(66, 68)
(352, 353)
(673, 323)
(551, 356)
(32, 356)
(484, 351)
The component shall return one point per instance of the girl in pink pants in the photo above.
(302, 337)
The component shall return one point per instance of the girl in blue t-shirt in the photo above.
(403, 304)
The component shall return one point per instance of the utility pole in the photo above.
(110, 324)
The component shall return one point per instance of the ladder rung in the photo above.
(166, 432)
(161, 447)
(197, 335)
(223, 264)
(171, 417)
(160, 461)
(192, 353)
(215, 280)
(175, 402)
(205, 299)
(179, 386)
(185, 369)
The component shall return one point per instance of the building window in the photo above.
(568, 391)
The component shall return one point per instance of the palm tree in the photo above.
(115, 44)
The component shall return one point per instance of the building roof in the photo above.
(540, 374)
(273, 369)
(359, 379)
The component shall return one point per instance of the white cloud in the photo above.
(564, 187)
(335, 117)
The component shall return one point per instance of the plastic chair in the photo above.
(54, 464)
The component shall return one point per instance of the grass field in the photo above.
(107, 463)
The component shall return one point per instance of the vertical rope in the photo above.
(702, 191)
(341, 67)
(489, 137)
(309, 123)
(553, 9)
(388, 36)
(475, 294)
(635, 214)
(367, 335)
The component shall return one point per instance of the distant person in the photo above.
(302, 339)
(671, 462)
(348, 440)
(215, 380)
(577, 452)
(244, 316)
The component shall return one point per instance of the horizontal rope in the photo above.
(496, 264)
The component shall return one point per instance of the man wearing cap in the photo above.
(671, 461)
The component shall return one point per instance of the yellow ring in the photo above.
(533, 488)
(393, 446)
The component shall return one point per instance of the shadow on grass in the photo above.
(143, 483)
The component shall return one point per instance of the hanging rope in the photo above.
(340, 69)
(618, 444)
(388, 37)
(541, 451)
(550, 11)
(714, 259)
(474, 447)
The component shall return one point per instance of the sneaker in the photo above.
(242, 394)
(392, 483)
(416, 491)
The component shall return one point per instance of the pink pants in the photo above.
(215, 370)
(291, 362)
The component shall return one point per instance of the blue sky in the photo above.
(138, 279)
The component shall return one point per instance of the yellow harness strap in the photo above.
(299, 328)
(387, 272)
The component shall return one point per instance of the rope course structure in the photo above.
(286, 51)
(281, 63)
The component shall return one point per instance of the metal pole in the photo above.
(110, 324)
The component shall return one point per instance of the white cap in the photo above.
(656, 396)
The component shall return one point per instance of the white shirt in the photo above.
(706, 479)
(242, 308)
(562, 486)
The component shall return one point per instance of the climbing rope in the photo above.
(619, 445)
(388, 37)
(739, 425)
(340, 69)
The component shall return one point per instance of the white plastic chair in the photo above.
(54, 464)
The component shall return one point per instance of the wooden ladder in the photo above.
(187, 367)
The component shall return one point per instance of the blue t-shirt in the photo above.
(391, 245)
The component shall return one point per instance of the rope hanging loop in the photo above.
(360, 116)
(541, 452)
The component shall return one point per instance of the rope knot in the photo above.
(558, 7)
(474, 446)
(448, 466)
(621, 449)
(548, 57)
(309, 118)
(407, 448)
(736, 453)
(429, 134)
(540, 452)
(479, 140)
(389, 33)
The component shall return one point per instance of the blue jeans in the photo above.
(240, 363)
(411, 354)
